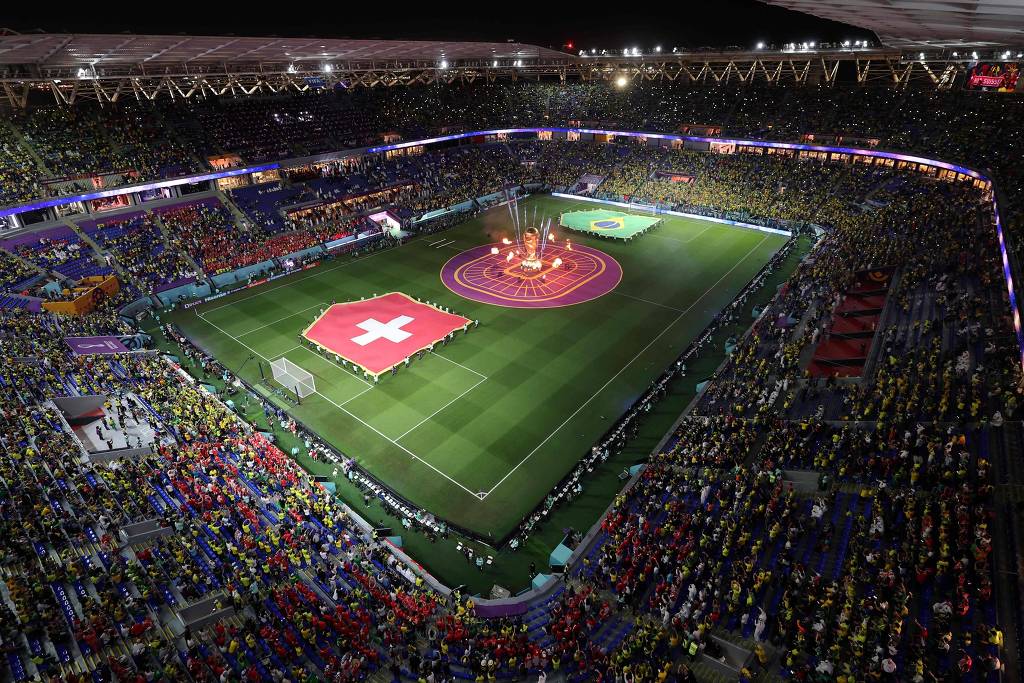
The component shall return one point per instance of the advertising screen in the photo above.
(993, 76)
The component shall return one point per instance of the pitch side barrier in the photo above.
(798, 147)
(493, 608)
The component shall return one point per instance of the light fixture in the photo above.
(760, 46)
(621, 81)
(328, 68)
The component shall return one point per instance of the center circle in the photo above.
(580, 274)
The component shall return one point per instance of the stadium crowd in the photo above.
(163, 138)
(838, 529)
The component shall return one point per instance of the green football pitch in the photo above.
(479, 431)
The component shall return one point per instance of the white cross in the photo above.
(392, 331)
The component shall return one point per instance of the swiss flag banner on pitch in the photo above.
(379, 333)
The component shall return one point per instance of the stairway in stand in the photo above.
(843, 351)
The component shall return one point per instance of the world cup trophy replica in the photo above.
(528, 247)
(531, 249)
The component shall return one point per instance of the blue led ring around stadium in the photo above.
(798, 146)
(128, 189)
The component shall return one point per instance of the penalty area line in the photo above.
(474, 495)
(624, 367)
(478, 374)
(303, 346)
(428, 417)
(274, 322)
(679, 241)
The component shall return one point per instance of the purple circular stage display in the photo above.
(567, 276)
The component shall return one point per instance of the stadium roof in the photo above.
(62, 49)
(921, 23)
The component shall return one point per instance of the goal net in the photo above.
(645, 209)
(291, 376)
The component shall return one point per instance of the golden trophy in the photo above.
(531, 244)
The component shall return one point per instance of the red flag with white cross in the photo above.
(377, 334)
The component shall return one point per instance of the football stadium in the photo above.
(367, 354)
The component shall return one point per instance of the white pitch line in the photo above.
(347, 401)
(274, 322)
(387, 438)
(444, 244)
(647, 301)
(329, 360)
(628, 363)
(679, 241)
(233, 338)
(415, 426)
(478, 374)
(472, 494)
(698, 234)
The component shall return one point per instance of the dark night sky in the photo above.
(689, 23)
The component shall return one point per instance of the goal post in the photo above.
(292, 377)
(644, 209)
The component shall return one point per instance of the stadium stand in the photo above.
(139, 247)
(60, 250)
(828, 529)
